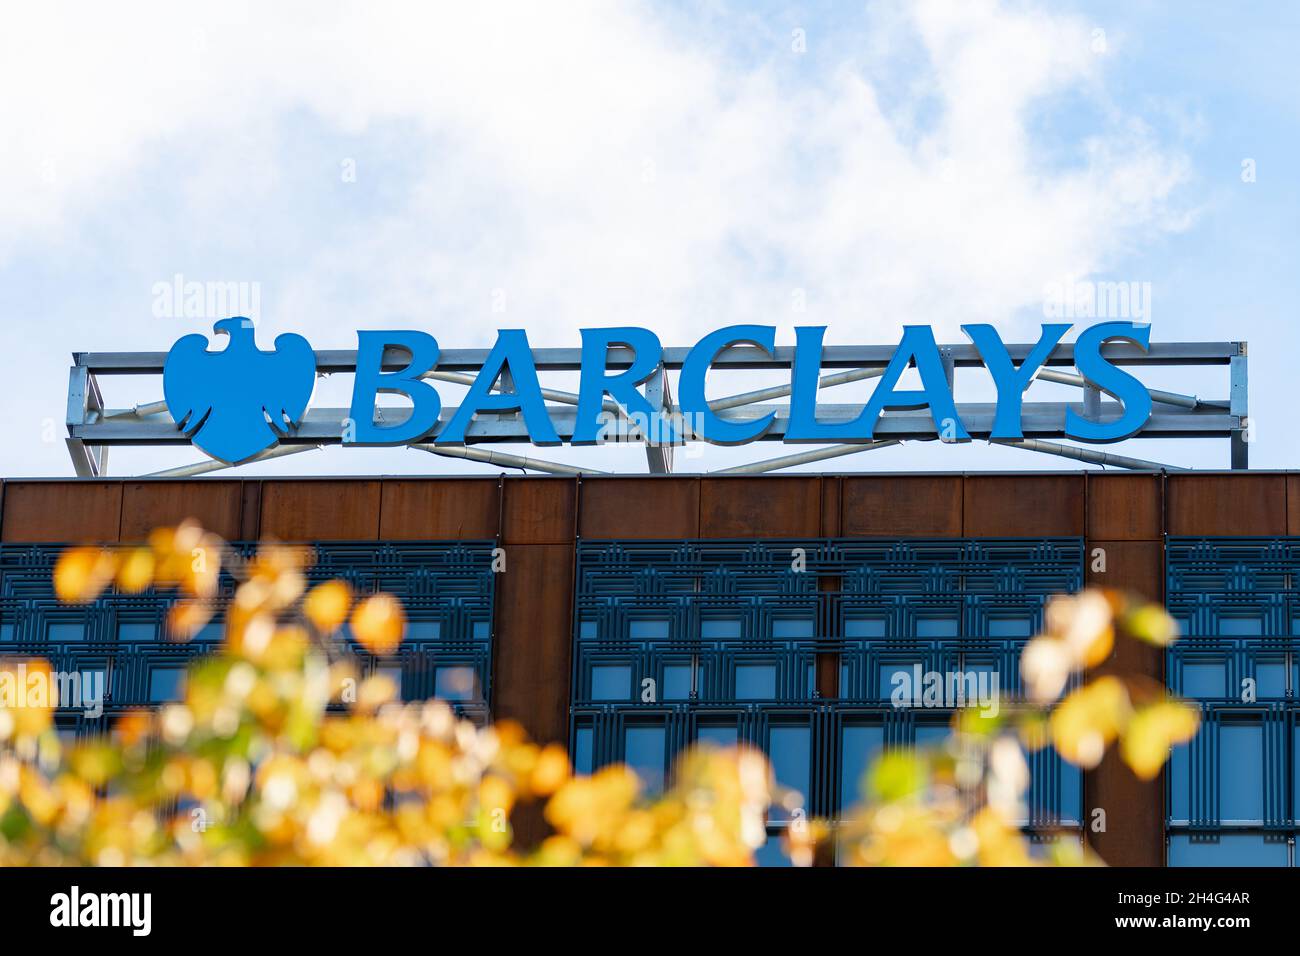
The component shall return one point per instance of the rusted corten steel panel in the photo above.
(1293, 504)
(832, 506)
(334, 510)
(439, 509)
(1134, 809)
(89, 511)
(250, 516)
(1227, 504)
(539, 510)
(216, 505)
(1125, 507)
(640, 508)
(534, 634)
(1023, 505)
(892, 506)
(760, 507)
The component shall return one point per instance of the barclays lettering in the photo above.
(237, 403)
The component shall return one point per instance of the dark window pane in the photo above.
(1241, 772)
(859, 745)
(677, 682)
(791, 756)
(864, 627)
(394, 674)
(644, 750)
(129, 631)
(66, 632)
(454, 683)
(166, 684)
(582, 753)
(1010, 627)
(611, 682)
(1226, 849)
(1203, 679)
(722, 735)
(755, 681)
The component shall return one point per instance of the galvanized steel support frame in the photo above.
(93, 427)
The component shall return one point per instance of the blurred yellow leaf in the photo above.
(378, 624)
(1045, 666)
(135, 573)
(1153, 731)
(551, 770)
(327, 605)
(186, 618)
(1090, 718)
(1084, 622)
(897, 775)
(81, 574)
(1152, 624)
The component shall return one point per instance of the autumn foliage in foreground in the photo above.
(282, 753)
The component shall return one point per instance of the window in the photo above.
(452, 683)
(59, 632)
(677, 681)
(394, 673)
(644, 752)
(733, 622)
(446, 587)
(1233, 790)
(859, 746)
(166, 684)
(131, 632)
(611, 682)
(423, 630)
(755, 681)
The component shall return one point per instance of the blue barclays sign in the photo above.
(240, 401)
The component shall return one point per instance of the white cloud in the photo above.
(597, 162)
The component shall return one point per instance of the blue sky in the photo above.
(679, 166)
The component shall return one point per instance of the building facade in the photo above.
(638, 614)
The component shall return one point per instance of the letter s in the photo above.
(1112, 380)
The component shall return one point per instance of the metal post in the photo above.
(803, 458)
(1238, 404)
(1091, 455)
(506, 461)
(204, 467)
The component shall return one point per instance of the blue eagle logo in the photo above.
(238, 402)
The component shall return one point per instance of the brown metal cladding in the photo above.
(640, 508)
(454, 510)
(1125, 507)
(903, 505)
(250, 516)
(64, 511)
(333, 510)
(531, 659)
(146, 505)
(1293, 504)
(1025, 506)
(1134, 809)
(1227, 504)
(760, 507)
(539, 510)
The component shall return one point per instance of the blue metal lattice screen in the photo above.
(682, 641)
(1231, 792)
(446, 588)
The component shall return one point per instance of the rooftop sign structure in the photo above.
(246, 403)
